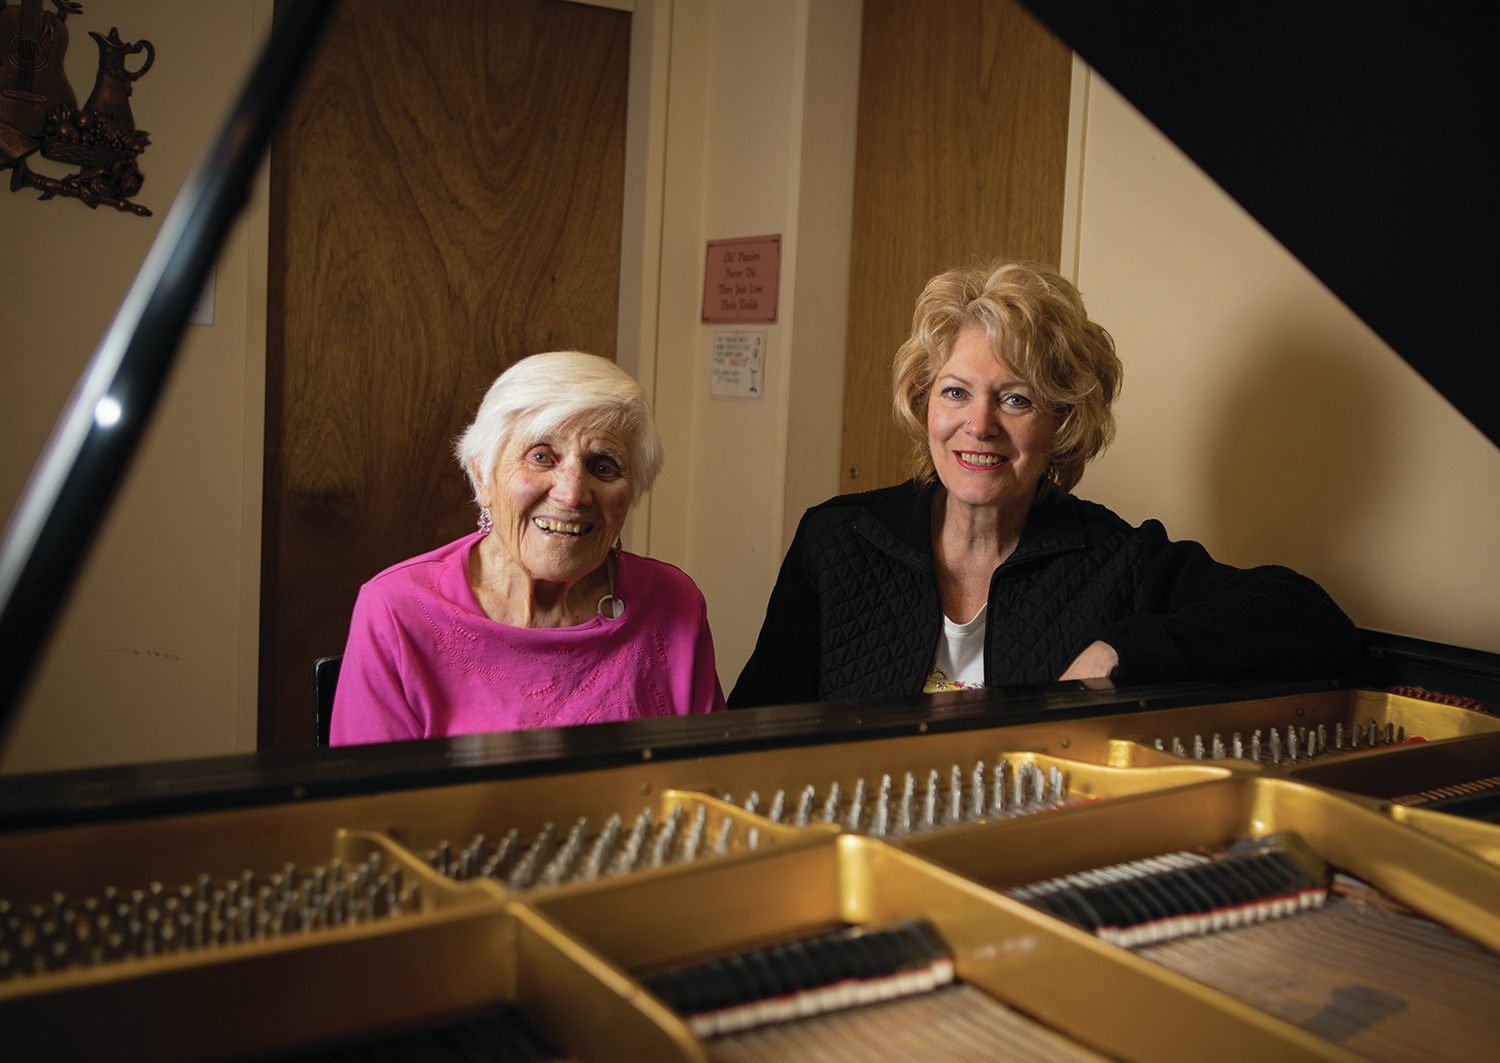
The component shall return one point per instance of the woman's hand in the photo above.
(1097, 661)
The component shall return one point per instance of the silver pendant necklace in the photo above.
(610, 607)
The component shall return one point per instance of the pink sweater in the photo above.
(424, 661)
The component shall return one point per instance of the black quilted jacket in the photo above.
(855, 612)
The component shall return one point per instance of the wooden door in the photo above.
(963, 128)
(446, 198)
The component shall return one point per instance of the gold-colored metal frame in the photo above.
(569, 959)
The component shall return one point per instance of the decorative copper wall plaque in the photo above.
(40, 114)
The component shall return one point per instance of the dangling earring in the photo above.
(485, 521)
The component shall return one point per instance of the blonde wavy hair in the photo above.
(1036, 322)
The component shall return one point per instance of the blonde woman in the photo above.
(983, 570)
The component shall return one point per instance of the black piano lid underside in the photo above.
(74, 482)
(1358, 134)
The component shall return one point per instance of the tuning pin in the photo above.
(778, 807)
(882, 823)
(1216, 749)
(930, 800)
(857, 805)
(1338, 736)
(752, 803)
(721, 840)
(1177, 748)
(1275, 746)
(1057, 785)
(1197, 747)
(1373, 736)
(1236, 746)
(997, 788)
(630, 852)
(832, 803)
(692, 844)
(976, 790)
(1255, 745)
(804, 806)
(1159, 745)
(661, 848)
(955, 795)
(908, 799)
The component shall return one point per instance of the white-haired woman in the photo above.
(538, 619)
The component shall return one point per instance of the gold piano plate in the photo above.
(568, 958)
(268, 996)
(1016, 956)
(1473, 836)
(1415, 719)
(1412, 783)
(1448, 887)
(1432, 877)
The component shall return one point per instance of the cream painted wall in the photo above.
(155, 655)
(1259, 415)
(759, 118)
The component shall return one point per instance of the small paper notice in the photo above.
(739, 365)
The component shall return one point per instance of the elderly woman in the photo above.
(983, 570)
(538, 619)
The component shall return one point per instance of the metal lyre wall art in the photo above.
(40, 116)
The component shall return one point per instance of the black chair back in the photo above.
(325, 679)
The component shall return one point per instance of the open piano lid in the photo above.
(70, 489)
(1347, 133)
(1356, 134)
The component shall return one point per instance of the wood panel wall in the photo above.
(446, 198)
(963, 127)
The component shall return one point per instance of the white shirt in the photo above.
(959, 661)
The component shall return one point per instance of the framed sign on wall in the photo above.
(741, 280)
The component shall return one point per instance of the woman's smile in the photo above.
(971, 459)
(553, 526)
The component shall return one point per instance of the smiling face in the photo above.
(990, 439)
(559, 500)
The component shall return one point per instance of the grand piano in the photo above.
(1072, 871)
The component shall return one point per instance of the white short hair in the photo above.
(543, 392)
